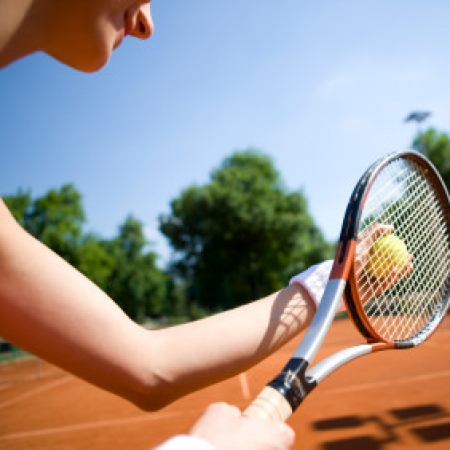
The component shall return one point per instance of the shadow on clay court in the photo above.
(413, 419)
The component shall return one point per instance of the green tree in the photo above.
(19, 205)
(242, 235)
(135, 282)
(95, 260)
(123, 267)
(56, 218)
(436, 146)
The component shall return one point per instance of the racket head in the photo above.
(402, 194)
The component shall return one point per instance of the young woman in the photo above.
(51, 310)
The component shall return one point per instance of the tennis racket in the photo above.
(401, 194)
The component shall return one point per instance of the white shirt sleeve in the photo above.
(184, 442)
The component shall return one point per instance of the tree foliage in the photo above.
(134, 280)
(236, 238)
(436, 146)
(242, 235)
(123, 266)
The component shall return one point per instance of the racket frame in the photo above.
(353, 217)
(293, 384)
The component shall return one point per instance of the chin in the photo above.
(86, 62)
(90, 65)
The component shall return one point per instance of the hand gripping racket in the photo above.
(402, 193)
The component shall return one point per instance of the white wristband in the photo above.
(314, 281)
(184, 442)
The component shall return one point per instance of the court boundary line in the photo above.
(245, 387)
(151, 417)
(36, 391)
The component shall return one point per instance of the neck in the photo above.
(19, 32)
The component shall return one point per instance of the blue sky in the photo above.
(322, 86)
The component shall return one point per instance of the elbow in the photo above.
(152, 393)
(152, 387)
(151, 382)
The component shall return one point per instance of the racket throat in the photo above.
(293, 383)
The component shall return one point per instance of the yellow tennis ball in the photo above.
(387, 253)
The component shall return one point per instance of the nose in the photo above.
(143, 23)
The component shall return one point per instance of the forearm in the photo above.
(220, 346)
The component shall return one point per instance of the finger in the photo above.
(288, 436)
(222, 407)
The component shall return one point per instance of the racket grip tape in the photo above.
(270, 404)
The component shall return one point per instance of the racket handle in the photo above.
(269, 404)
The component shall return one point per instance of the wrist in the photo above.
(313, 280)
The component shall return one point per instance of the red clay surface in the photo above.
(391, 401)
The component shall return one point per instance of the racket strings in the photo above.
(415, 319)
(427, 241)
(403, 197)
(388, 218)
(409, 317)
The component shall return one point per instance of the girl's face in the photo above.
(87, 31)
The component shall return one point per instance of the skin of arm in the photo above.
(50, 309)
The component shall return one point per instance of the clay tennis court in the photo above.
(390, 401)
